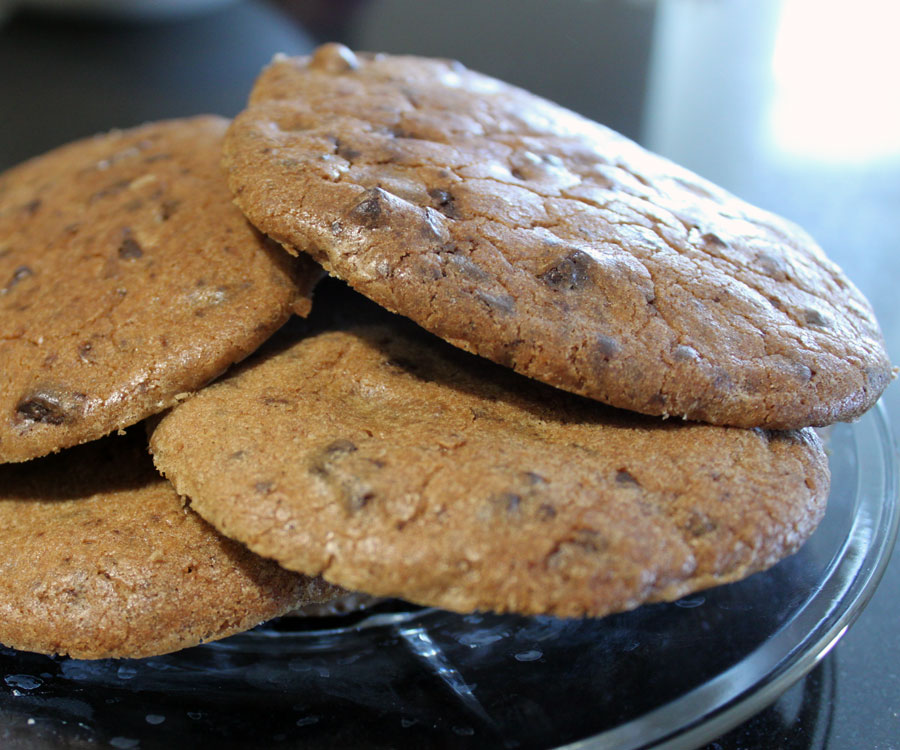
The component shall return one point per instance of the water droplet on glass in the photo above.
(690, 602)
(124, 743)
(126, 672)
(194, 715)
(407, 723)
(23, 681)
(532, 655)
(307, 720)
(480, 638)
(463, 731)
(154, 719)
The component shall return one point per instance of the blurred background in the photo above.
(792, 104)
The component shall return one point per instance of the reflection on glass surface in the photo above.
(801, 720)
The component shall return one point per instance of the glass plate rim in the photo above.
(660, 728)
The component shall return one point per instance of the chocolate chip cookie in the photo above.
(393, 464)
(127, 278)
(101, 559)
(518, 230)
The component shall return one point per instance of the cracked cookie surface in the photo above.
(393, 464)
(518, 230)
(101, 559)
(127, 277)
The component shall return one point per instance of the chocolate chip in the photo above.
(398, 132)
(340, 446)
(590, 541)
(130, 249)
(346, 152)
(802, 372)
(444, 202)
(48, 408)
(583, 542)
(320, 463)
(658, 401)
(699, 525)
(503, 303)
(369, 213)
(50, 359)
(606, 347)
(275, 401)
(545, 512)
(685, 353)
(20, 274)
(624, 477)
(815, 318)
(167, 208)
(32, 206)
(319, 467)
(569, 273)
(237, 455)
(771, 266)
(508, 501)
(112, 189)
(357, 499)
(723, 381)
(713, 239)
(461, 264)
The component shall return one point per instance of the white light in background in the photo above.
(836, 68)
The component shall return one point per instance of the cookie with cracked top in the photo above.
(518, 230)
(396, 465)
(101, 559)
(127, 278)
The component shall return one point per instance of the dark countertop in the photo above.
(729, 90)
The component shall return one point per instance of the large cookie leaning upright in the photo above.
(399, 466)
(101, 559)
(518, 230)
(127, 277)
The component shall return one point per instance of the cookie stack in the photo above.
(560, 375)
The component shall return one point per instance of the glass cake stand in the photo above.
(663, 676)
